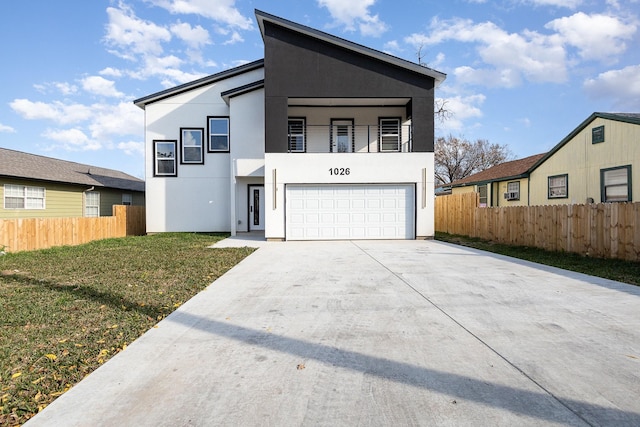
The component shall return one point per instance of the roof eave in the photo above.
(154, 97)
(580, 128)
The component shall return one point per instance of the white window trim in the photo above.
(564, 186)
(300, 147)
(157, 159)
(210, 133)
(87, 205)
(384, 135)
(25, 196)
(604, 185)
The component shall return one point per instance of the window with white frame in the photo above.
(127, 199)
(513, 191)
(296, 134)
(164, 158)
(616, 184)
(91, 204)
(191, 146)
(23, 197)
(558, 187)
(218, 130)
(389, 134)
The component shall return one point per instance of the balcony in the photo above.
(343, 137)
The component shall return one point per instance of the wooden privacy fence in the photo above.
(40, 233)
(605, 230)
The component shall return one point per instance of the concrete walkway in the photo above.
(377, 333)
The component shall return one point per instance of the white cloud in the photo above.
(510, 56)
(597, 37)
(194, 37)
(116, 120)
(111, 72)
(6, 129)
(71, 139)
(56, 111)
(98, 85)
(569, 4)
(222, 11)
(235, 38)
(392, 46)
(461, 108)
(131, 36)
(354, 14)
(66, 88)
(619, 87)
(132, 148)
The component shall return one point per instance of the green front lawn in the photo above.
(65, 311)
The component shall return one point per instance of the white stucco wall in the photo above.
(364, 168)
(199, 198)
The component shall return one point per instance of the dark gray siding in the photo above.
(299, 66)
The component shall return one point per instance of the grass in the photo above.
(614, 269)
(65, 311)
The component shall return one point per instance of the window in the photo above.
(389, 134)
(218, 131)
(597, 135)
(482, 190)
(513, 191)
(127, 199)
(164, 158)
(558, 187)
(191, 147)
(296, 133)
(615, 184)
(91, 204)
(23, 197)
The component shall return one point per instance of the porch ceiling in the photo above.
(357, 102)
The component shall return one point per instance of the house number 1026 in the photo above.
(339, 171)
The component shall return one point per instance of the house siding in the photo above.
(61, 201)
(582, 161)
(110, 197)
(199, 197)
(417, 169)
(333, 72)
(65, 200)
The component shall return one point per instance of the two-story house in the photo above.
(322, 139)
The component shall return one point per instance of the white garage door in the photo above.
(330, 212)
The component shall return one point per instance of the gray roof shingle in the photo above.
(17, 164)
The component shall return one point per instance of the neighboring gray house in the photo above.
(33, 186)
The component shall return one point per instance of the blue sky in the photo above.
(519, 72)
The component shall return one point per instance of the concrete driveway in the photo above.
(377, 333)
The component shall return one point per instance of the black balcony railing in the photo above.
(345, 138)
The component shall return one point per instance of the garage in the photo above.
(350, 212)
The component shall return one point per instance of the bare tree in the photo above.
(457, 158)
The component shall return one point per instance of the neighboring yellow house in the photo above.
(33, 186)
(598, 162)
(506, 184)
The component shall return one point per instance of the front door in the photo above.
(256, 207)
(342, 135)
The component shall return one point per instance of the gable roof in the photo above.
(633, 118)
(16, 164)
(346, 44)
(154, 97)
(504, 171)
